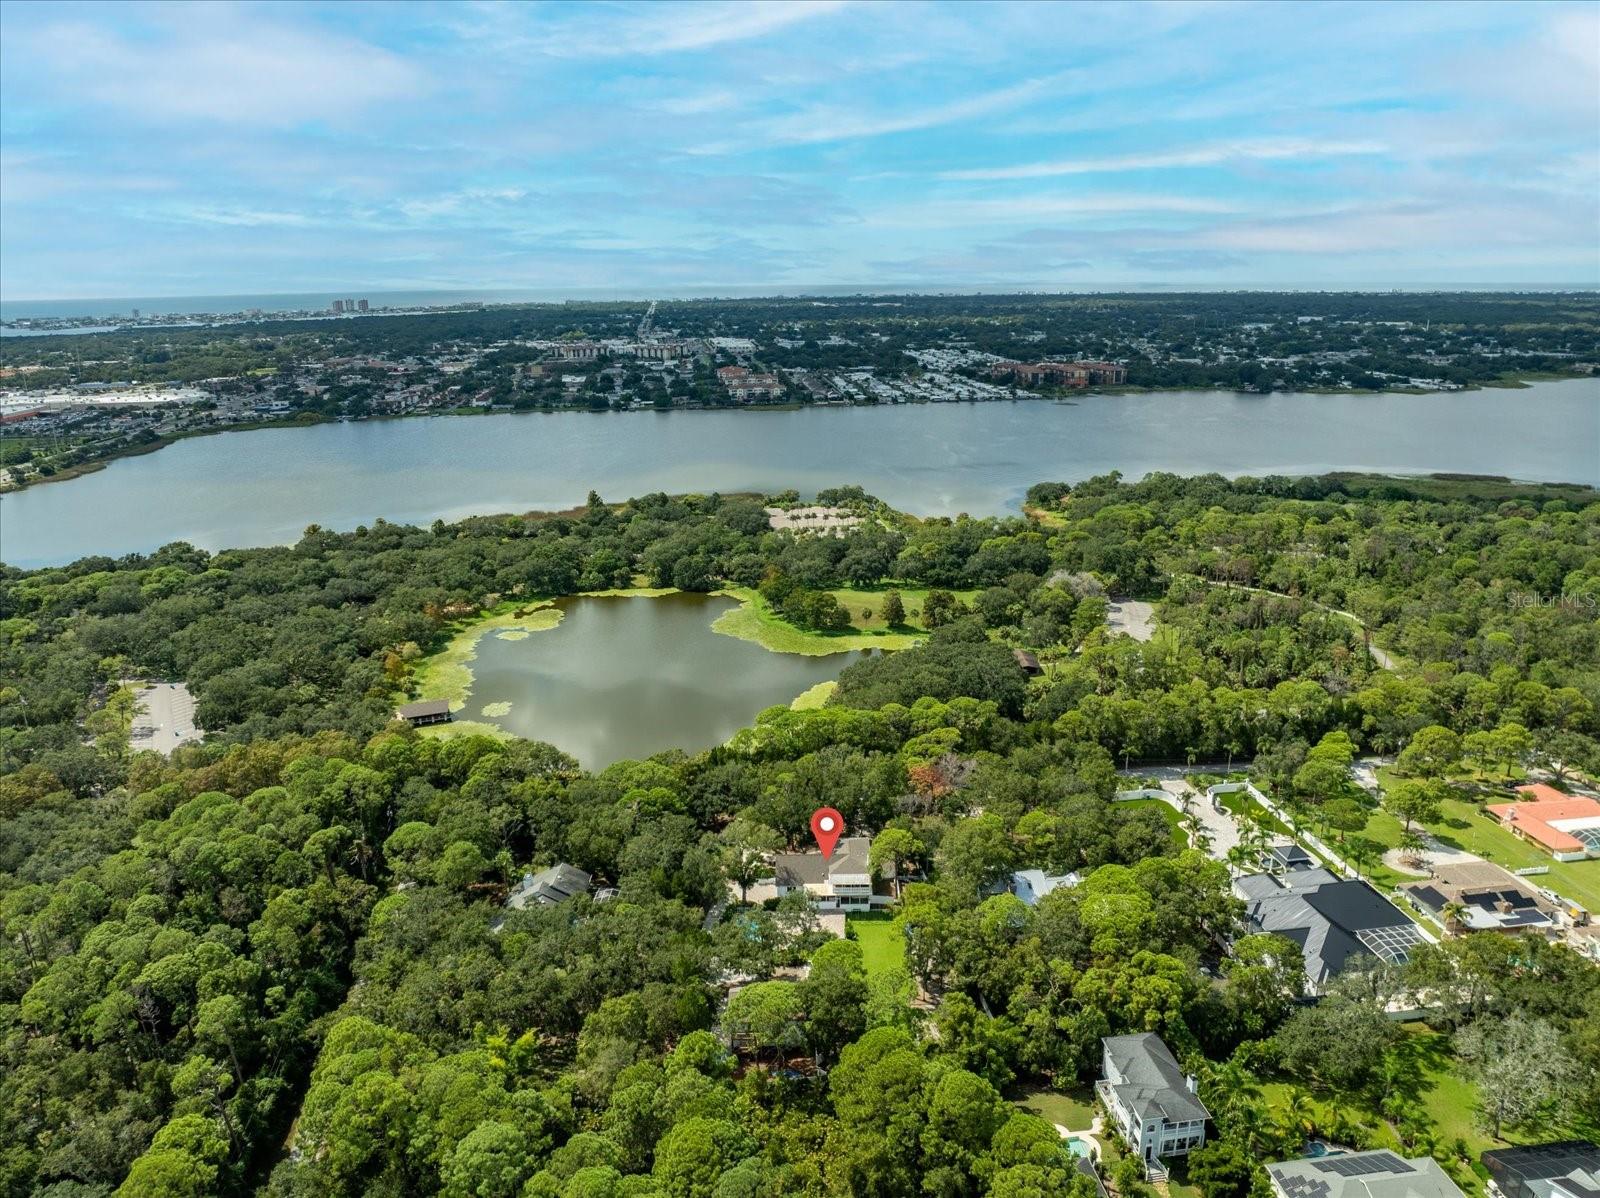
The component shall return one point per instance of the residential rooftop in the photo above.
(1379, 1174)
(1564, 1169)
(1153, 1083)
(1568, 826)
(1333, 920)
(1491, 899)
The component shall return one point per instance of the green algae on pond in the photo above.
(625, 677)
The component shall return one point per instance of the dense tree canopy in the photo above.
(278, 961)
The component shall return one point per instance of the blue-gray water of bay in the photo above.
(265, 486)
(626, 677)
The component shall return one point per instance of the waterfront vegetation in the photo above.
(447, 673)
(278, 962)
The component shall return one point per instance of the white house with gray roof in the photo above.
(842, 882)
(1150, 1098)
(1378, 1174)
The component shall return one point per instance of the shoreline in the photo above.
(307, 420)
(447, 673)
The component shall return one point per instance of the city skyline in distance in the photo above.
(715, 149)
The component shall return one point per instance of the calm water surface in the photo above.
(625, 677)
(263, 487)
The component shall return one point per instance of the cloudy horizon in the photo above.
(154, 149)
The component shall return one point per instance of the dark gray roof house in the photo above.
(424, 711)
(1334, 920)
(550, 886)
(845, 880)
(1281, 858)
(1361, 1175)
(1565, 1169)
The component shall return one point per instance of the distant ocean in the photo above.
(184, 305)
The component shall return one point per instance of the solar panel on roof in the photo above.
(1517, 919)
(1363, 1164)
(1296, 1186)
(1429, 895)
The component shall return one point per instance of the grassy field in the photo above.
(1174, 818)
(754, 620)
(814, 697)
(881, 945)
(865, 606)
(1073, 1109)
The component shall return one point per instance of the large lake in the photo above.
(265, 486)
(625, 677)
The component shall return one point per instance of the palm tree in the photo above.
(1299, 1116)
(1231, 1086)
(1241, 857)
(1451, 914)
(1412, 843)
(1250, 1122)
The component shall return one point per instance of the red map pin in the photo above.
(826, 825)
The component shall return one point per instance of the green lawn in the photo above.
(754, 620)
(1073, 1109)
(865, 606)
(1174, 818)
(882, 947)
(1240, 805)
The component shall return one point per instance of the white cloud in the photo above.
(205, 63)
(825, 123)
(958, 213)
(247, 218)
(695, 105)
(608, 32)
(1210, 155)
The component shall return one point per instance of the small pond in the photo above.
(625, 677)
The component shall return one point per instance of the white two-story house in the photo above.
(1151, 1100)
(842, 882)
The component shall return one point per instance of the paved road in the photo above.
(1218, 825)
(164, 718)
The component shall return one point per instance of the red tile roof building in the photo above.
(1566, 826)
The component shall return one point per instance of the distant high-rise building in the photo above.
(361, 305)
(349, 305)
(338, 306)
(136, 314)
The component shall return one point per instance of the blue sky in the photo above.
(195, 149)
